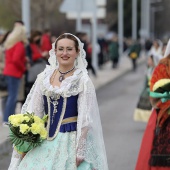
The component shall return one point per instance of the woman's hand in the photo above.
(79, 161)
(22, 156)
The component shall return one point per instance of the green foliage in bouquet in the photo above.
(27, 131)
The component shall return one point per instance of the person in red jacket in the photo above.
(38, 59)
(15, 66)
(36, 46)
(46, 41)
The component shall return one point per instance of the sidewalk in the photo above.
(104, 76)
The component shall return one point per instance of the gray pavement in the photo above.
(122, 135)
(104, 76)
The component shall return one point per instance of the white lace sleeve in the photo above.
(90, 143)
(34, 103)
(15, 160)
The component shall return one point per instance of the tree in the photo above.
(44, 14)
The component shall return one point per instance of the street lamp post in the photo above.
(78, 19)
(145, 19)
(134, 19)
(120, 26)
(26, 14)
(94, 40)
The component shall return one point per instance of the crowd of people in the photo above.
(23, 59)
(153, 108)
(154, 53)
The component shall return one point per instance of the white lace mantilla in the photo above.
(89, 140)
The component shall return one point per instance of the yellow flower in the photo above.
(11, 117)
(37, 119)
(16, 120)
(26, 118)
(160, 83)
(24, 128)
(43, 134)
(36, 128)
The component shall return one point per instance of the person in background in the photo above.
(36, 47)
(37, 59)
(89, 59)
(46, 41)
(89, 51)
(148, 45)
(53, 38)
(22, 88)
(3, 92)
(143, 110)
(102, 43)
(156, 51)
(114, 51)
(134, 53)
(154, 152)
(15, 66)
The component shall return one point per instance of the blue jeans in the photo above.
(13, 87)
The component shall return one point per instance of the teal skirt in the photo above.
(58, 154)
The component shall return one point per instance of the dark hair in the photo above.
(68, 36)
(34, 34)
(80, 35)
(46, 30)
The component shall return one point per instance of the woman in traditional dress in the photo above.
(66, 94)
(144, 108)
(155, 148)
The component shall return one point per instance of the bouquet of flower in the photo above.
(27, 131)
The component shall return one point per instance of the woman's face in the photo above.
(66, 52)
(156, 45)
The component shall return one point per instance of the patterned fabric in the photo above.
(160, 72)
(161, 143)
(143, 109)
(50, 156)
(57, 107)
(161, 147)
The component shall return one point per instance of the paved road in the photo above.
(122, 135)
(5, 159)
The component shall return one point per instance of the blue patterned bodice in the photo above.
(57, 108)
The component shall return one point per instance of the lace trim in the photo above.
(70, 86)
